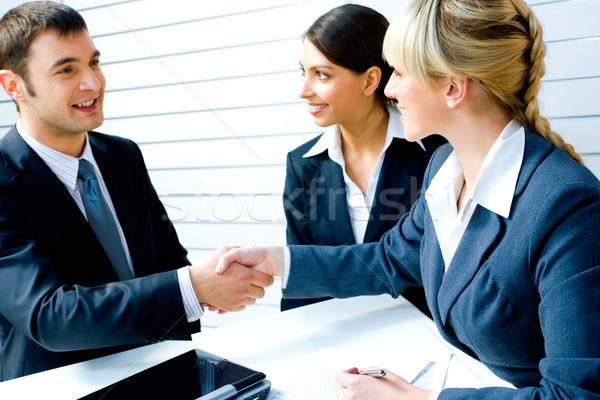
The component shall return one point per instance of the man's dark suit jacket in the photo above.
(316, 208)
(60, 299)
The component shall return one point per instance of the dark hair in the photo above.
(351, 36)
(20, 26)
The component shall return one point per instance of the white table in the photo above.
(280, 345)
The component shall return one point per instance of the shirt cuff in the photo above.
(286, 267)
(193, 309)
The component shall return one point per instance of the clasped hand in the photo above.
(232, 288)
(261, 263)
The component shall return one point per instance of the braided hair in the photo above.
(496, 43)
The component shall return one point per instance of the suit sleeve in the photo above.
(62, 314)
(67, 317)
(297, 231)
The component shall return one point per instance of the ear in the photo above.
(12, 84)
(372, 78)
(456, 91)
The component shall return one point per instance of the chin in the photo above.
(413, 136)
(323, 124)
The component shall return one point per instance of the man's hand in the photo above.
(269, 260)
(232, 290)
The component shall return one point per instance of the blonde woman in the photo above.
(506, 236)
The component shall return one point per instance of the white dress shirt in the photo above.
(358, 204)
(65, 168)
(494, 188)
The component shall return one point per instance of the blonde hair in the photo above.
(496, 43)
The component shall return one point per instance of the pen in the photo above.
(373, 372)
(423, 372)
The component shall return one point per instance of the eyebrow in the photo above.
(66, 60)
(318, 66)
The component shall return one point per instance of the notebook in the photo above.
(193, 375)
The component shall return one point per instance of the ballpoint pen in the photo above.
(423, 372)
(373, 372)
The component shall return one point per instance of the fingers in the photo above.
(344, 377)
(235, 289)
(261, 279)
(226, 259)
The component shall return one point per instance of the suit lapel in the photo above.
(481, 233)
(388, 207)
(432, 266)
(397, 187)
(332, 204)
(53, 212)
(381, 209)
(121, 183)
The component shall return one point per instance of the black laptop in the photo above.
(193, 375)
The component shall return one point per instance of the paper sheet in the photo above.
(317, 381)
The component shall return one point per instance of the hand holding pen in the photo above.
(357, 384)
(372, 372)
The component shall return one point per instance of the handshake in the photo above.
(231, 278)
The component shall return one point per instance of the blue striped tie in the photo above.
(101, 220)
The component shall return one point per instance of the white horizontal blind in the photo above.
(569, 95)
(209, 92)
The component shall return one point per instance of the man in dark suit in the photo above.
(64, 296)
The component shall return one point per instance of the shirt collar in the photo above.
(495, 184)
(64, 166)
(330, 140)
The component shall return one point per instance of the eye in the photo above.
(65, 70)
(94, 63)
(396, 73)
(302, 72)
(322, 75)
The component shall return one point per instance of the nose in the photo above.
(306, 89)
(91, 80)
(389, 88)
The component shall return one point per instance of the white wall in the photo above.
(209, 92)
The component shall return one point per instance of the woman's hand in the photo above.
(268, 260)
(390, 386)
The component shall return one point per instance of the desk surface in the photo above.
(279, 345)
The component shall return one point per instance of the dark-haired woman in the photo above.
(352, 183)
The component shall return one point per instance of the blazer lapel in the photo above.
(332, 203)
(381, 210)
(432, 266)
(390, 201)
(397, 187)
(121, 182)
(481, 233)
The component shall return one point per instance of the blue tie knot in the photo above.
(86, 170)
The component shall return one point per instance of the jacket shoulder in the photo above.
(112, 140)
(437, 160)
(547, 167)
(301, 150)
